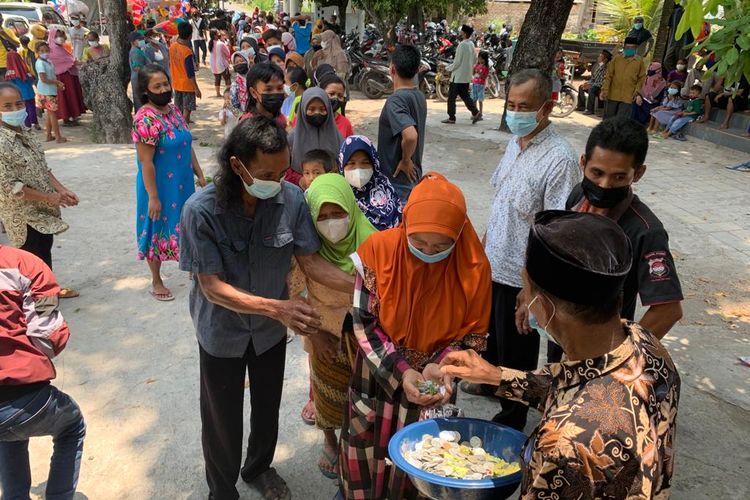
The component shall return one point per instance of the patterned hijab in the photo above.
(306, 137)
(240, 81)
(427, 307)
(332, 188)
(377, 199)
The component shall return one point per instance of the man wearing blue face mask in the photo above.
(238, 237)
(537, 172)
(623, 81)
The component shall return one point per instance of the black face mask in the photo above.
(603, 197)
(241, 68)
(336, 104)
(651, 72)
(272, 102)
(160, 99)
(316, 120)
(317, 47)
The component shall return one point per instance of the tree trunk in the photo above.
(539, 38)
(664, 35)
(342, 6)
(102, 82)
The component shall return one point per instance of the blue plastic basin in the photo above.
(497, 439)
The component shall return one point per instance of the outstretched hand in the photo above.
(470, 366)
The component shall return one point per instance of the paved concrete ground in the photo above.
(132, 363)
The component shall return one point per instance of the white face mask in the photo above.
(75, 22)
(324, 45)
(334, 230)
(358, 177)
(93, 43)
(59, 40)
(681, 67)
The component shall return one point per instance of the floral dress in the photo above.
(169, 134)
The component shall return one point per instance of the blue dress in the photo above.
(172, 140)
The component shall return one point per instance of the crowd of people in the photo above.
(310, 228)
(625, 85)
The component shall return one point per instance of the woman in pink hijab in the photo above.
(287, 39)
(70, 99)
(650, 94)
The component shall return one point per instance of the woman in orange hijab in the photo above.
(423, 289)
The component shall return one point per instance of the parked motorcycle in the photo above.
(567, 98)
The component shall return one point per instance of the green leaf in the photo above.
(732, 55)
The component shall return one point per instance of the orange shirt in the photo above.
(178, 54)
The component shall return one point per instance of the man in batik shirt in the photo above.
(609, 410)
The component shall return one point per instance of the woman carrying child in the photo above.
(315, 129)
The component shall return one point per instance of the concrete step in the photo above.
(739, 121)
(710, 131)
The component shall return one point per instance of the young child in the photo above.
(295, 85)
(47, 87)
(481, 72)
(315, 163)
(693, 110)
(227, 116)
(672, 103)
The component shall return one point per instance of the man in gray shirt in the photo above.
(462, 70)
(238, 237)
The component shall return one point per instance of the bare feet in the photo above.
(50, 138)
(724, 125)
(702, 119)
(61, 140)
(308, 413)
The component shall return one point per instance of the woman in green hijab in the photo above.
(342, 227)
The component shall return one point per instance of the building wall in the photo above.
(514, 11)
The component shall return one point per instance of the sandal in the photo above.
(309, 408)
(333, 463)
(162, 297)
(271, 486)
(68, 293)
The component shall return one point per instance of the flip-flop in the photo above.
(162, 297)
(334, 463)
(271, 486)
(68, 293)
(308, 421)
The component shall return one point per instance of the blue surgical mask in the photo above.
(14, 118)
(534, 323)
(673, 91)
(429, 259)
(261, 189)
(638, 26)
(628, 52)
(142, 44)
(521, 123)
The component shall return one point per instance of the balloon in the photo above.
(167, 27)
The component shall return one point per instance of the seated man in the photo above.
(732, 99)
(588, 92)
(609, 410)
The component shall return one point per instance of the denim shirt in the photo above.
(251, 254)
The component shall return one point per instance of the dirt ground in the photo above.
(132, 363)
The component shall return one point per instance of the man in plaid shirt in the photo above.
(588, 92)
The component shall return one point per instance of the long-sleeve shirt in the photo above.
(597, 77)
(462, 65)
(608, 424)
(624, 78)
(22, 164)
(32, 329)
